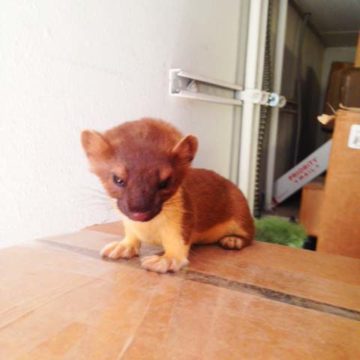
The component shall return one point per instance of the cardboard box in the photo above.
(311, 205)
(332, 97)
(350, 88)
(339, 231)
(60, 300)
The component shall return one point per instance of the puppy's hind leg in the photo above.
(238, 238)
(232, 242)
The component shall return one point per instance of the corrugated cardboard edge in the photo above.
(345, 108)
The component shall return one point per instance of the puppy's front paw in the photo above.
(163, 264)
(232, 242)
(119, 249)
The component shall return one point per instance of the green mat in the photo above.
(277, 230)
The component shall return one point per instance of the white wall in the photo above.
(69, 65)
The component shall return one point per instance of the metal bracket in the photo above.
(197, 87)
(183, 84)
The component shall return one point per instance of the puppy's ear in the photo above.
(95, 145)
(185, 149)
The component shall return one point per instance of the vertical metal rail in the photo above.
(273, 131)
(251, 111)
(264, 117)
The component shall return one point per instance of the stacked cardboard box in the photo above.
(311, 202)
(332, 212)
(339, 228)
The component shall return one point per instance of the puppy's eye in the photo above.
(118, 181)
(164, 183)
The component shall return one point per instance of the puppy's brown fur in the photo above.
(145, 166)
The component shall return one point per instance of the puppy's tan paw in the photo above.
(232, 242)
(119, 249)
(163, 264)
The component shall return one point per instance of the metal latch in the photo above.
(257, 96)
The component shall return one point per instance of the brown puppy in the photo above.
(145, 166)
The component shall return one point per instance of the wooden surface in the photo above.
(339, 231)
(312, 196)
(266, 302)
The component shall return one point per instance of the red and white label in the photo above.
(301, 174)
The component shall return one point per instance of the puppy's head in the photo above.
(141, 164)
